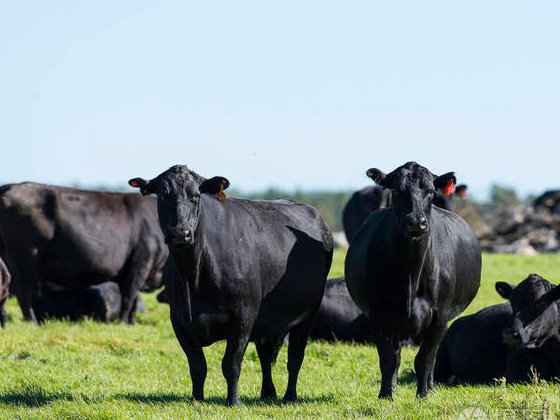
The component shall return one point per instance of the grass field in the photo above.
(91, 370)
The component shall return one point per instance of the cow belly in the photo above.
(393, 320)
(204, 328)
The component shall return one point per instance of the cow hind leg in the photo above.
(267, 350)
(197, 362)
(296, 352)
(425, 359)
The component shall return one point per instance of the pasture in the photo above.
(92, 370)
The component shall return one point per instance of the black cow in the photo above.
(339, 318)
(360, 205)
(536, 323)
(78, 238)
(473, 351)
(412, 268)
(5, 281)
(549, 201)
(101, 303)
(369, 199)
(247, 270)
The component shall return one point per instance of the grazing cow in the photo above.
(101, 302)
(412, 268)
(548, 202)
(5, 280)
(76, 238)
(536, 322)
(246, 270)
(473, 351)
(369, 199)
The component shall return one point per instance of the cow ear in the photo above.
(446, 183)
(379, 177)
(140, 183)
(214, 185)
(504, 289)
(552, 295)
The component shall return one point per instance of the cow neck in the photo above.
(416, 252)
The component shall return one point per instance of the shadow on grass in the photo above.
(407, 378)
(250, 401)
(38, 398)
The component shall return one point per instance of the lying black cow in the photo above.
(548, 202)
(78, 238)
(247, 270)
(5, 281)
(536, 322)
(473, 352)
(369, 199)
(339, 319)
(412, 268)
(101, 303)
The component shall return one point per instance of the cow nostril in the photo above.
(423, 223)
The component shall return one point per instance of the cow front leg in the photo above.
(3, 315)
(425, 359)
(389, 361)
(196, 358)
(233, 357)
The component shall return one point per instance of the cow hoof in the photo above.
(385, 396)
(268, 395)
(198, 397)
(422, 395)
(233, 402)
(290, 398)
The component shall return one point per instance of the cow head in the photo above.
(178, 193)
(413, 188)
(534, 302)
(461, 191)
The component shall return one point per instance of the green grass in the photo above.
(91, 370)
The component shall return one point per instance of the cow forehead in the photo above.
(530, 289)
(411, 175)
(177, 177)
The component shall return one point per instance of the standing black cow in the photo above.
(339, 318)
(247, 270)
(473, 351)
(5, 280)
(412, 268)
(77, 238)
(536, 322)
(369, 199)
(360, 205)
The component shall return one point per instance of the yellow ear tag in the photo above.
(221, 195)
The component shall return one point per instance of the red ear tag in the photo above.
(449, 188)
(134, 184)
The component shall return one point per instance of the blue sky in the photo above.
(288, 94)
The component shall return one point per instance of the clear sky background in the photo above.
(291, 94)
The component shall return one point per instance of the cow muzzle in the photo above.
(511, 337)
(179, 237)
(416, 225)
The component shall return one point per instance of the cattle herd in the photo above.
(256, 270)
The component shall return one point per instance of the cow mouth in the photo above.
(180, 242)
